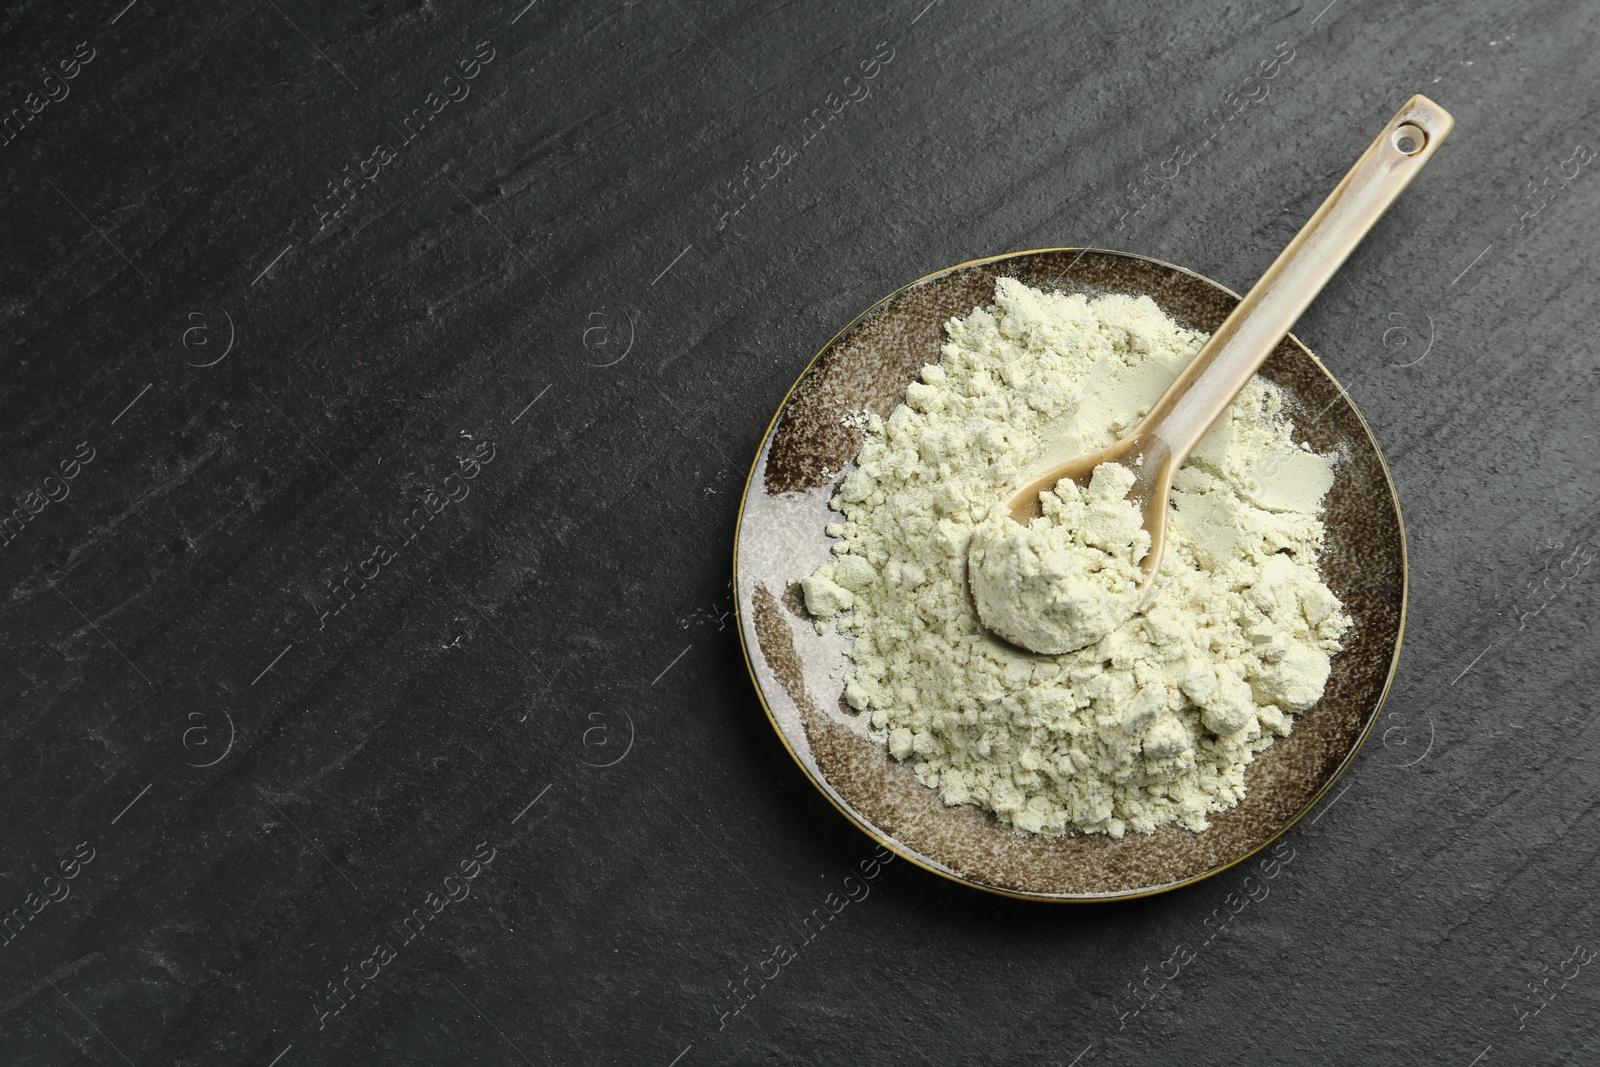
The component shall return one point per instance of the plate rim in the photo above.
(878, 836)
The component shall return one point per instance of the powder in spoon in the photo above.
(1070, 576)
(1155, 722)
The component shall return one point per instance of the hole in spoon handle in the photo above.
(1408, 139)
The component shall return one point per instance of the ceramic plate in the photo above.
(799, 674)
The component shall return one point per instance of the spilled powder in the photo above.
(1157, 720)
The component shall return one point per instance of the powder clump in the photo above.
(1156, 720)
(1070, 576)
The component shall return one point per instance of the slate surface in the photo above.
(585, 276)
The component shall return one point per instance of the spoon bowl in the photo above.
(1149, 458)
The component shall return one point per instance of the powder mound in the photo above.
(1156, 721)
(1069, 577)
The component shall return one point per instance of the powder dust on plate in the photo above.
(1157, 720)
(1070, 576)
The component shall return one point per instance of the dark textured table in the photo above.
(381, 384)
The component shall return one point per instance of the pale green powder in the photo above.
(1070, 576)
(1156, 721)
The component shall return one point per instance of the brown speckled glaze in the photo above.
(799, 673)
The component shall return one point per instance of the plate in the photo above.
(799, 674)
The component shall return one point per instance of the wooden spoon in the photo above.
(1204, 389)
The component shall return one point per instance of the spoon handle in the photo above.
(1248, 335)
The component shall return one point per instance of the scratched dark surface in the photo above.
(479, 312)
